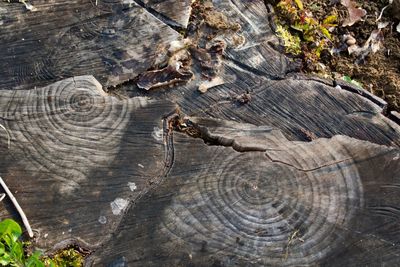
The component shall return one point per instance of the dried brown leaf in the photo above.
(355, 13)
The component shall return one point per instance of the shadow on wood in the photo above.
(277, 203)
(78, 157)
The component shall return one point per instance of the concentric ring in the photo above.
(67, 127)
(246, 205)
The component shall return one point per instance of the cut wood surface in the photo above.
(114, 41)
(176, 12)
(278, 202)
(211, 151)
(78, 157)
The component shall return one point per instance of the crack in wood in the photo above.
(252, 70)
(256, 201)
(166, 20)
(169, 122)
(69, 135)
(195, 130)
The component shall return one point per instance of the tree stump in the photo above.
(263, 167)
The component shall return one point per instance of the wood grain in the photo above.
(114, 41)
(301, 108)
(76, 154)
(269, 167)
(254, 52)
(278, 203)
(177, 11)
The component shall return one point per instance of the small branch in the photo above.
(18, 207)
(383, 9)
(28, 5)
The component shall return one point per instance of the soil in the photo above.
(378, 72)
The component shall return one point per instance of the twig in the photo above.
(290, 240)
(28, 5)
(8, 135)
(18, 207)
(383, 9)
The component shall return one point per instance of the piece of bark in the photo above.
(204, 86)
(167, 76)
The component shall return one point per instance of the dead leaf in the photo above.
(375, 40)
(382, 25)
(373, 44)
(355, 14)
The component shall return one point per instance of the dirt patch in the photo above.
(377, 72)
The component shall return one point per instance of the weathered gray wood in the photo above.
(278, 203)
(76, 155)
(395, 116)
(177, 11)
(114, 41)
(302, 109)
(289, 170)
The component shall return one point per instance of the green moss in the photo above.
(290, 41)
(66, 258)
(301, 32)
